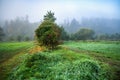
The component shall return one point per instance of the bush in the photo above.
(48, 34)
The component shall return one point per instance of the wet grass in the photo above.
(79, 60)
(11, 54)
(108, 49)
(104, 51)
(61, 65)
(9, 49)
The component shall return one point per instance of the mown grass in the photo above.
(11, 54)
(108, 49)
(104, 51)
(61, 65)
(64, 63)
(9, 49)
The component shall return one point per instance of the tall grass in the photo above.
(60, 65)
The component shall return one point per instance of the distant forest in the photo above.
(21, 29)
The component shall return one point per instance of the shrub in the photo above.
(48, 34)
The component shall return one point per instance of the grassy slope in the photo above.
(11, 54)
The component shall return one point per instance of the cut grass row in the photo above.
(11, 54)
(9, 49)
(108, 49)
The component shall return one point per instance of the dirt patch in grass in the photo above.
(36, 49)
(9, 63)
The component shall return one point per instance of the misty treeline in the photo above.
(92, 29)
(21, 29)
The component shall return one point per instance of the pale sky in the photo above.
(63, 9)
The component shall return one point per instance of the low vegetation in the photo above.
(61, 65)
(11, 54)
(9, 49)
(109, 49)
(80, 60)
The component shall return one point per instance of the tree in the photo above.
(19, 38)
(49, 16)
(64, 35)
(1, 34)
(84, 34)
(102, 37)
(48, 33)
(74, 26)
(19, 27)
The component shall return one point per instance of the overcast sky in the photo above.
(63, 9)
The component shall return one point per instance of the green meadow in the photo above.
(72, 60)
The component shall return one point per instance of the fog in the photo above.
(20, 18)
(63, 9)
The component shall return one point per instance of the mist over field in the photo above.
(64, 9)
(67, 9)
(59, 39)
(103, 16)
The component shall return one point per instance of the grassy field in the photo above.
(9, 49)
(71, 61)
(10, 53)
(109, 49)
(104, 51)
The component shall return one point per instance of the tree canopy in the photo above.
(1, 34)
(48, 32)
(84, 34)
(64, 35)
(49, 16)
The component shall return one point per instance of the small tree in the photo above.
(1, 34)
(49, 16)
(48, 33)
(64, 35)
(84, 34)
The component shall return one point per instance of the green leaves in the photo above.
(48, 34)
(84, 34)
(49, 16)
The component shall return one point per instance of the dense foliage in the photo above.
(2, 34)
(49, 16)
(64, 35)
(48, 33)
(83, 34)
